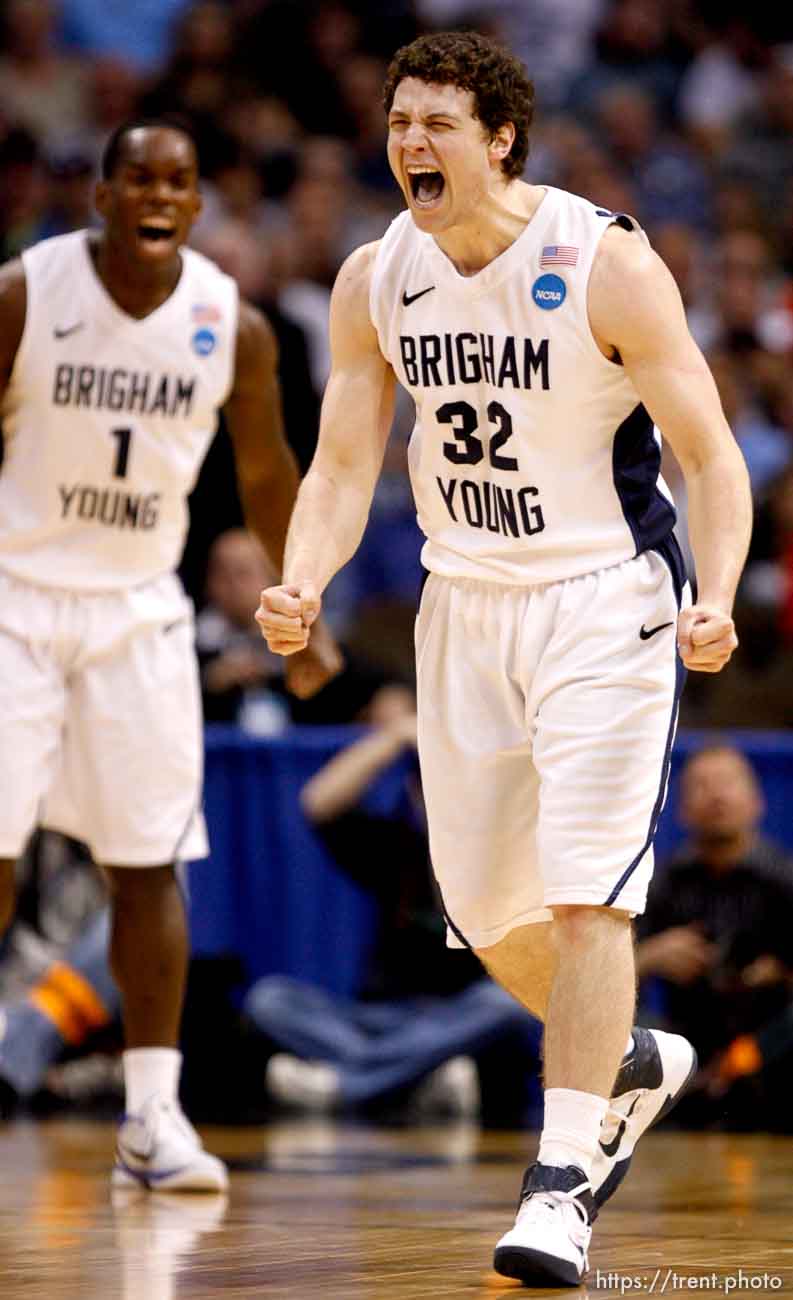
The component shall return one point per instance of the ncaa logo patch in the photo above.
(549, 292)
(204, 342)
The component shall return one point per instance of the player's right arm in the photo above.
(333, 503)
(13, 305)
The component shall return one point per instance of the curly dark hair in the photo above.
(497, 80)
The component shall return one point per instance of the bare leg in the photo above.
(7, 893)
(587, 999)
(148, 955)
(148, 952)
(590, 1010)
(524, 963)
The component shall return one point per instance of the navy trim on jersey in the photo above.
(670, 553)
(680, 679)
(458, 933)
(635, 464)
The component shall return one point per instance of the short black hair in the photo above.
(112, 150)
(497, 80)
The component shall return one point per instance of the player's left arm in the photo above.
(267, 475)
(635, 308)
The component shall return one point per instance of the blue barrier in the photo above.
(270, 892)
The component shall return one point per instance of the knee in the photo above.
(577, 927)
(129, 883)
(271, 998)
(7, 893)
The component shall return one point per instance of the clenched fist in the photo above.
(289, 620)
(705, 638)
(285, 615)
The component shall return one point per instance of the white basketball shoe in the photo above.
(650, 1081)
(548, 1245)
(159, 1149)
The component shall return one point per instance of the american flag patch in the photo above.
(559, 255)
(204, 314)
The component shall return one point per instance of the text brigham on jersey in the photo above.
(443, 360)
(116, 389)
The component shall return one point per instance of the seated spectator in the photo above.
(56, 990)
(424, 1011)
(716, 935)
(60, 1032)
(241, 682)
(238, 672)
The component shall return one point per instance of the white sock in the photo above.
(572, 1127)
(630, 1046)
(149, 1072)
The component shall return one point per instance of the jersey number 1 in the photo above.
(124, 437)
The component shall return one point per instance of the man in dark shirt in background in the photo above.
(718, 932)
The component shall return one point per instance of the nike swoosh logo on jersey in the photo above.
(71, 329)
(408, 298)
(646, 632)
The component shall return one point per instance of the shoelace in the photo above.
(614, 1118)
(550, 1203)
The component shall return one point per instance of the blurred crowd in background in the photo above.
(677, 111)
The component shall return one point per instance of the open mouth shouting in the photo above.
(426, 185)
(154, 232)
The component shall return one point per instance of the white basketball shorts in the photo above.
(100, 721)
(546, 721)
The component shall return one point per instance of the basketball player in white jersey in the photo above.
(540, 337)
(117, 352)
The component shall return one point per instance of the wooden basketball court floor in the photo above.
(320, 1209)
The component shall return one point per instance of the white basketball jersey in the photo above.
(532, 459)
(107, 420)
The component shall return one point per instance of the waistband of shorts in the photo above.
(87, 593)
(525, 588)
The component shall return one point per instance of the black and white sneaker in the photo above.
(650, 1081)
(549, 1242)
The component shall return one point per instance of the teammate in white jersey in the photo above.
(542, 339)
(117, 351)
